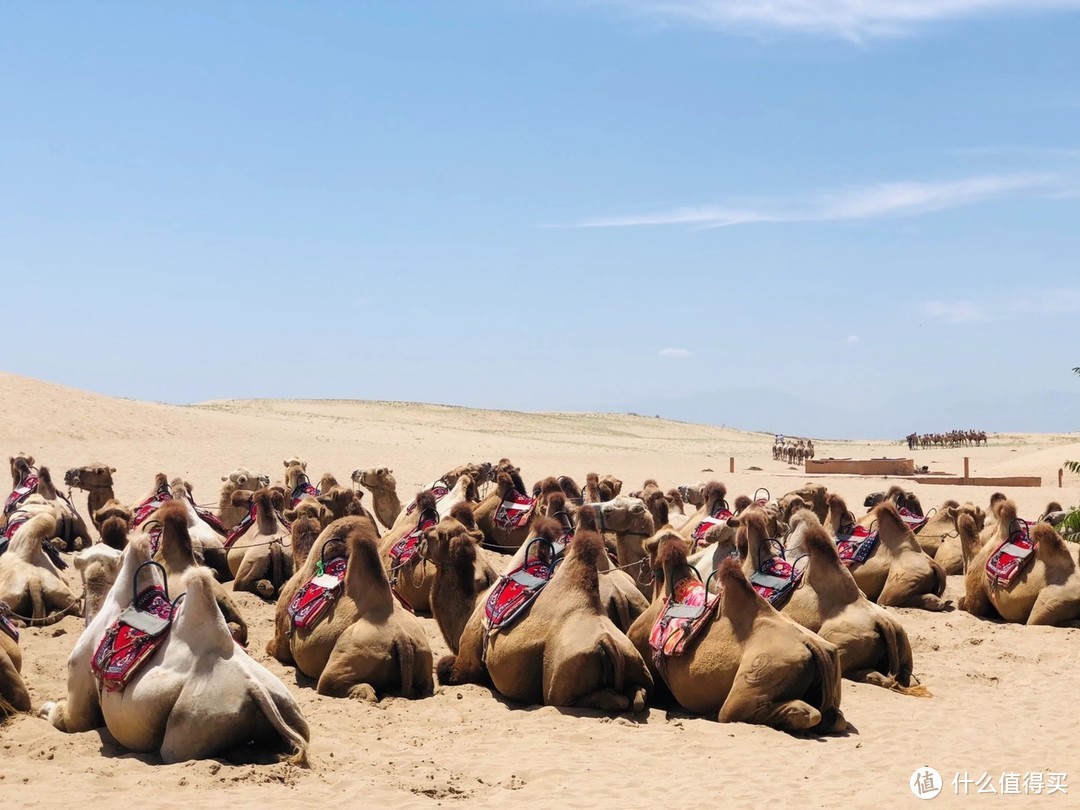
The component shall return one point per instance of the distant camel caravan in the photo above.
(953, 438)
(751, 610)
(793, 451)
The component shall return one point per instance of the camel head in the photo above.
(955, 511)
(328, 481)
(243, 478)
(92, 476)
(675, 500)
(610, 486)
(114, 522)
(693, 494)
(624, 514)
(98, 566)
(295, 461)
(376, 479)
(873, 499)
(310, 508)
(21, 466)
(813, 496)
(295, 474)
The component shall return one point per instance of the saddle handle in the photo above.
(564, 518)
(768, 495)
(847, 521)
(322, 551)
(671, 580)
(551, 549)
(135, 579)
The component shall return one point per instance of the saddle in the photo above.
(315, 597)
(405, 549)
(150, 505)
(718, 517)
(911, 520)
(27, 488)
(517, 590)
(137, 632)
(855, 544)
(305, 489)
(514, 512)
(775, 580)
(246, 522)
(13, 526)
(438, 491)
(1012, 556)
(685, 613)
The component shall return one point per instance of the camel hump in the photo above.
(556, 503)
(715, 489)
(819, 545)
(834, 501)
(425, 501)
(463, 514)
(1050, 544)
(40, 528)
(586, 519)
(739, 596)
(742, 502)
(200, 616)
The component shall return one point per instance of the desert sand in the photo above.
(1004, 696)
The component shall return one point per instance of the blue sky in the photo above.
(840, 218)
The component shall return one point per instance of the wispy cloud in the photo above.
(675, 353)
(867, 202)
(851, 340)
(856, 20)
(954, 311)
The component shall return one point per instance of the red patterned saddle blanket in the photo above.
(312, 600)
(137, 632)
(719, 517)
(911, 520)
(514, 512)
(775, 580)
(681, 619)
(305, 489)
(27, 488)
(405, 549)
(150, 505)
(515, 591)
(1012, 556)
(17, 520)
(438, 491)
(855, 544)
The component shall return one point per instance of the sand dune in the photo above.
(1004, 696)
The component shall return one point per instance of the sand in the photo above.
(1005, 696)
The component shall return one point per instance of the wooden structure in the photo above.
(856, 466)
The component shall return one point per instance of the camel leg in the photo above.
(903, 593)
(237, 626)
(12, 689)
(80, 711)
(749, 700)
(872, 677)
(351, 671)
(977, 603)
(1051, 608)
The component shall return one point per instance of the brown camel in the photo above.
(940, 538)
(13, 694)
(30, 583)
(505, 515)
(71, 531)
(874, 648)
(382, 485)
(746, 663)
(1044, 591)
(713, 509)
(564, 651)
(363, 644)
(177, 553)
(96, 480)
(259, 559)
(813, 496)
(897, 573)
(241, 479)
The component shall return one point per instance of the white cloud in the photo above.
(856, 20)
(907, 198)
(851, 340)
(1050, 302)
(675, 353)
(954, 311)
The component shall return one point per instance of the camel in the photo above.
(713, 508)
(71, 531)
(940, 538)
(239, 479)
(693, 494)
(897, 573)
(1045, 591)
(14, 696)
(489, 514)
(177, 553)
(96, 480)
(382, 485)
(196, 696)
(747, 663)
(113, 520)
(874, 647)
(481, 473)
(98, 567)
(896, 495)
(258, 559)
(564, 651)
(30, 582)
(813, 496)
(365, 645)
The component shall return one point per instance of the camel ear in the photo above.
(240, 497)
(285, 464)
(290, 515)
(734, 521)
(381, 471)
(951, 512)
(277, 498)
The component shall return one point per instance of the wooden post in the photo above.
(967, 469)
(1061, 473)
(731, 464)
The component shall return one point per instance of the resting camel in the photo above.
(481, 473)
(712, 502)
(30, 583)
(197, 696)
(748, 663)
(874, 648)
(113, 521)
(98, 567)
(1046, 591)
(898, 573)
(366, 645)
(239, 479)
(177, 553)
(486, 510)
(259, 560)
(812, 496)
(13, 694)
(564, 651)
(96, 480)
(71, 531)
(940, 538)
(897, 496)
(382, 485)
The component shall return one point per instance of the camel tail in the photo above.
(618, 665)
(899, 651)
(939, 577)
(829, 672)
(406, 656)
(297, 738)
(37, 599)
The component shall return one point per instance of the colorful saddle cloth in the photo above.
(855, 544)
(8, 626)
(209, 518)
(16, 520)
(150, 505)
(1011, 557)
(27, 488)
(515, 591)
(911, 520)
(305, 489)
(132, 638)
(720, 517)
(405, 549)
(775, 580)
(312, 600)
(438, 491)
(682, 618)
(246, 522)
(514, 512)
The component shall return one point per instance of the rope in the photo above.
(44, 621)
